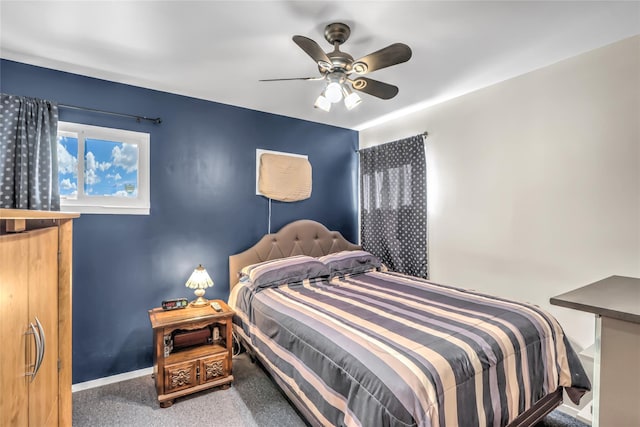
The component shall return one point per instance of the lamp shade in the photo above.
(333, 92)
(199, 280)
(352, 100)
(323, 103)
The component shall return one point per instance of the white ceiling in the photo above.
(218, 50)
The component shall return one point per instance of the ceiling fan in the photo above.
(340, 70)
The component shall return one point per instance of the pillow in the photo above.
(284, 270)
(351, 262)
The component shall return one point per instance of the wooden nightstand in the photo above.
(193, 350)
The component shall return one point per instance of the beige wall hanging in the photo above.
(285, 177)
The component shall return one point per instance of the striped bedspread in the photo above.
(384, 349)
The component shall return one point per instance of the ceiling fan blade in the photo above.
(293, 78)
(314, 50)
(374, 87)
(396, 53)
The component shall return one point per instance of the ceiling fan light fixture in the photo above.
(351, 99)
(322, 103)
(333, 92)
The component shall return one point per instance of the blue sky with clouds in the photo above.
(111, 168)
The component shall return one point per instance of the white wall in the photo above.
(534, 183)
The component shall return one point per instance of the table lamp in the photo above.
(199, 280)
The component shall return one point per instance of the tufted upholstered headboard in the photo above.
(303, 237)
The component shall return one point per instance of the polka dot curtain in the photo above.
(393, 201)
(28, 153)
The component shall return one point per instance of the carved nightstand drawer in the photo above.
(180, 376)
(213, 368)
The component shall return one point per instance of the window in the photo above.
(103, 170)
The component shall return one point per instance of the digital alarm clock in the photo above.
(174, 304)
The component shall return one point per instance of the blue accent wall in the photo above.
(203, 205)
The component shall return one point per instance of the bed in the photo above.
(351, 344)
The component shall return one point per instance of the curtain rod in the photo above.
(156, 120)
(423, 134)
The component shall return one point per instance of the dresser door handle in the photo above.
(42, 346)
(36, 339)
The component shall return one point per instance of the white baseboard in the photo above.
(569, 410)
(112, 379)
(583, 415)
(586, 415)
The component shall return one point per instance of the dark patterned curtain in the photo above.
(393, 201)
(28, 153)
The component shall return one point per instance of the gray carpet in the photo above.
(252, 401)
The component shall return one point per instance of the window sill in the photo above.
(113, 210)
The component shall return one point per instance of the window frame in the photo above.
(84, 203)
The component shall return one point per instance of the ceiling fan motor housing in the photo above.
(340, 60)
(337, 33)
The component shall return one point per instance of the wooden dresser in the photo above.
(35, 308)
